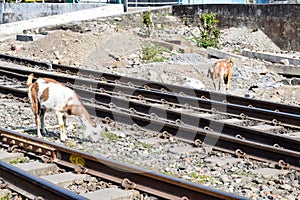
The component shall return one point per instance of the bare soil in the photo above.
(114, 45)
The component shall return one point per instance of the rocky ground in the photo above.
(115, 46)
(142, 148)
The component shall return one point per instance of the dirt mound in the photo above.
(236, 39)
(115, 45)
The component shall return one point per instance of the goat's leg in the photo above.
(228, 81)
(37, 119)
(65, 120)
(42, 120)
(60, 116)
(213, 80)
(220, 82)
(38, 124)
(35, 109)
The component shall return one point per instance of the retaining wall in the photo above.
(281, 22)
(9, 30)
(14, 12)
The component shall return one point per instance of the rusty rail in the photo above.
(159, 86)
(286, 149)
(160, 185)
(185, 119)
(35, 185)
(286, 119)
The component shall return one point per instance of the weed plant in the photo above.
(209, 34)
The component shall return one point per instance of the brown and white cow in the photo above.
(48, 94)
(221, 70)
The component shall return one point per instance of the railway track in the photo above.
(195, 116)
(73, 163)
(154, 86)
(172, 113)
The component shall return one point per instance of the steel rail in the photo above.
(162, 86)
(192, 134)
(187, 91)
(286, 119)
(292, 161)
(197, 121)
(148, 181)
(186, 119)
(35, 185)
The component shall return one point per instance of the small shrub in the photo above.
(168, 173)
(202, 178)
(209, 34)
(143, 145)
(19, 160)
(147, 20)
(153, 52)
(111, 136)
(254, 30)
(238, 50)
(6, 197)
(148, 23)
(205, 179)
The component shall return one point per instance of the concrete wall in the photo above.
(281, 22)
(213, 1)
(10, 30)
(152, 3)
(13, 12)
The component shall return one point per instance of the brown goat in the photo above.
(223, 71)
